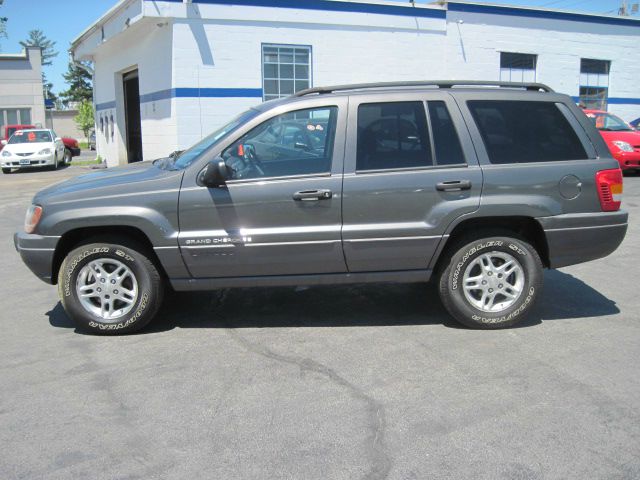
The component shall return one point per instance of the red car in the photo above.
(71, 147)
(623, 141)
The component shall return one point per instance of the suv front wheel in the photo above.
(108, 288)
(491, 282)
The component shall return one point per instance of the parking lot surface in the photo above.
(346, 382)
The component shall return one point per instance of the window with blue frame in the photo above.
(594, 83)
(518, 67)
(286, 69)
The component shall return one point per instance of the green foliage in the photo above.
(38, 39)
(3, 24)
(84, 119)
(79, 81)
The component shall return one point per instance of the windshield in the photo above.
(609, 122)
(187, 157)
(33, 136)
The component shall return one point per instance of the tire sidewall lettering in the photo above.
(142, 306)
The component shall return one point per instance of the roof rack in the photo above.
(425, 83)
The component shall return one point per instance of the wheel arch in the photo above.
(127, 235)
(525, 227)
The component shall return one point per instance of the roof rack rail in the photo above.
(425, 83)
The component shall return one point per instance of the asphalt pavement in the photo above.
(346, 382)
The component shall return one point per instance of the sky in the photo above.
(63, 20)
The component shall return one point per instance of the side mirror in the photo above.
(3, 142)
(215, 174)
(57, 139)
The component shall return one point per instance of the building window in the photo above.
(518, 67)
(594, 83)
(14, 116)
(286, 69)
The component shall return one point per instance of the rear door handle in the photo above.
(453, 185)
(307, 195)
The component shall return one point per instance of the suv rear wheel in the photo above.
(491, 282)
(108, 288)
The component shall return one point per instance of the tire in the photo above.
(102, 312)
(6, 170)
(504, 299)
(67, 156)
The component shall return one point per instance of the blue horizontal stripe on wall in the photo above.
(186, 92)
(333, 6)
(191, 93)
(106, 105)
(623, 101)
(545, 14)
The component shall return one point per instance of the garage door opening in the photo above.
(132, 116)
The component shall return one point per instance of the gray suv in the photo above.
(479, 185)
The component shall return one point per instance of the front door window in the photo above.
(292, 144)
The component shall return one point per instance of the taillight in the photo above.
(609, 184)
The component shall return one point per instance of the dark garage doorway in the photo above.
(132, 116)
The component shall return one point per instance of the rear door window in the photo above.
(525, 131)
(392, 135)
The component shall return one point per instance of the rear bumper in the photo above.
(577, 238)
(74, 151)
(37, 253)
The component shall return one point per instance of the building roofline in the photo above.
(536, 12)
(99, 22)
(24, 55)
(386, 7)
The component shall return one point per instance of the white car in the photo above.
(32, 148)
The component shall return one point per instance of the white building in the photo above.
(168, 72)
(21, 99)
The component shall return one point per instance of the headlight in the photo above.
(44, 151)
(5, 153)
(31, 219)
(624, 146)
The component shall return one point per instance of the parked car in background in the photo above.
(480, 188)
(635, 123)
(92, 141)
(72, 148)
(623, 141)
(32, 148)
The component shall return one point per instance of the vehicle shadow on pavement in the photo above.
(370, 305)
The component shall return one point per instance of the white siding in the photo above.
(180, 48)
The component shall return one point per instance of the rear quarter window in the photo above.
(525, 132)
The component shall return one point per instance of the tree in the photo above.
(84, 119)
(3, 24)
(39, 39)
(79, 81)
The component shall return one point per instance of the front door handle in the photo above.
(453, 185)
(307, 195)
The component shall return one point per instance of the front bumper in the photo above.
(34, 161)
(581, 237)
(628, 160)
(37, 252)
